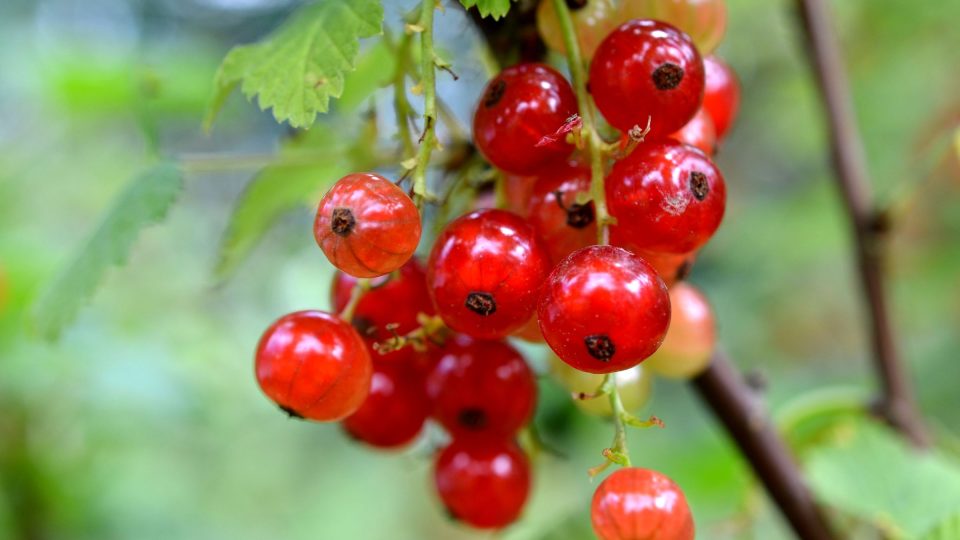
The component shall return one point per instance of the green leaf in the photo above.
(374, 69)
(489, 8)
(948, 529)
(297, 69)
(871, 474)
(146, 200)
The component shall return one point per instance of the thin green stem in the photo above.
(359, 288)
(619, 413)
(589, 131)
(401, 106)
(428, 85)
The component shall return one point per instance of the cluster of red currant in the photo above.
(592, 272)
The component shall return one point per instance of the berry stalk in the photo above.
(428, 85)
(897, 404)
(401, 106)
(588, 132)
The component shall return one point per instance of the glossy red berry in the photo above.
(666, 196)
(367, 226)
(485, 273)
(313, 365)
(640, 504)
(603, 309)
(483, 482)
(394, 411)
(519, 107)
(394, 301)
(564, 224)
(517, 191)
(482, 388)
(721, 97)
(671, 267)
(647, 69)
(699, 132)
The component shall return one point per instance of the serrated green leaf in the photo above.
(871, 474)
(146, 200)
(948, 529)
(297, 69)
(489, 8)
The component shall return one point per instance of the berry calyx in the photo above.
(394, 411)
(389, 308)
(667, 197)
(721, 95)
(313, 365)
(639, 504)
(518, 108)
(367, 226)
(647, 70)
(564, 224)
(482, 388)
(603, 309)
(483, 482)
(692, 336)
(485, 273)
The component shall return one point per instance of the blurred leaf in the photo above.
(374, 69)
(145, 201)
(948, 529)
(308, 165)
(489, 8)
(301, 66)
(871, 474)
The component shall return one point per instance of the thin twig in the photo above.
(738, 409)
(897, 404)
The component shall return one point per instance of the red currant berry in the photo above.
(482, 388)
(517, 191)
(698, 133)
(671, 267)
(640, 504)
(603, 309)
(666, 196)
(530, 332)
(705, 21)
(394, 411)
(313, 365)
(564, 224)
(592, 20)
(519, 107)
(647, 70)
(485, 273)
(393, 302)
(483, 482)
(692, 336)
(721, 96)
(367, 226)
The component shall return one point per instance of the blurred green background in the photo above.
(144, 420)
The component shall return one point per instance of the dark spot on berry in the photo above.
(290, 412)
(579, 216)
(342, 222)
(699, 185)
(667, 76)
(600, 346)
(365, 327)
(472, 418)
(684, 270)
(495, 93)
(574, 5)
(481, 303)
